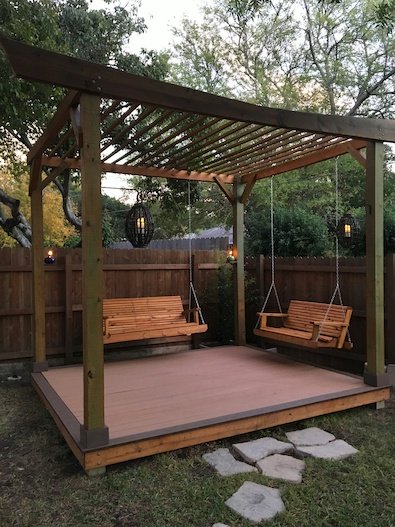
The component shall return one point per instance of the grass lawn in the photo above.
(43, 485)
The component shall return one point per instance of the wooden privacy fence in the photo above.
(127, 273)
(144, 272)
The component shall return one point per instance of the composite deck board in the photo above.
(150, 394)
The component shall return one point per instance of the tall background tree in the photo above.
(334, 57)
(74, 28)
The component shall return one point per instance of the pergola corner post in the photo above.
(38, 321)
(375, 371)
(239, 275)
(94, 433)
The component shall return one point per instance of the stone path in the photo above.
(223, 461)
(254, 451)
(337, 449)
(310, 437)
(257, 502)
(282, 467)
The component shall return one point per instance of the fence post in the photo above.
(389, 303)
(68, 341)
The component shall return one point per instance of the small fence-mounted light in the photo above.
(139, 225)
(230, 254)
(49, 259)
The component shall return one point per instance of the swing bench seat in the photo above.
(127, 319)
(308, 325)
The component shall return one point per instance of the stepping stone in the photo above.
(220, 525)
(310, 437)
(253, 451)
(337, 449)
(256, 502)
(282, 467)
(223, 461)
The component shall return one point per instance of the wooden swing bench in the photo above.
(126, 319)
(308, 325)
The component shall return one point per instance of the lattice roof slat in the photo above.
(130, 108)
(289, 154)
(122, 133)
(160, 132)
(249, 146)
(172, 139)
(215, 142)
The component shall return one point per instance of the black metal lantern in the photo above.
(347, 230)
(139, 225)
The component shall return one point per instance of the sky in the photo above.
(159, 16)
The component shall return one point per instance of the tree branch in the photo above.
(362, 97)
(17, 225)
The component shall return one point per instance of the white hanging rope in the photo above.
(273, 283)
(192, 292)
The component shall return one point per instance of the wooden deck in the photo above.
(162, 403)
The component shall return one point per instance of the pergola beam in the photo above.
(357, 155)
(171, 173)
(227, 193)
(310, 159)
(53, 68)
(61, 116)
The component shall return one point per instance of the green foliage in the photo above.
(70, 27)
(226, 330)
(297, 232)
(114, 214)
(359, 248)
(199, 57)
(113, 224)
(225, 290)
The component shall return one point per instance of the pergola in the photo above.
(113, 121)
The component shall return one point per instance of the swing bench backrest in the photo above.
(309, 324)
(127, 319)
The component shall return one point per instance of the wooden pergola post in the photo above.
(38, 320)
(93, 431)
(239, 276)
(375, 372)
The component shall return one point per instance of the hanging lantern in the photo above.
(347, 230)
(139, 225)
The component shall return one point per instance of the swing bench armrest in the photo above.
(264, 316)
(195, 311)
(342, 326)
(330, 323)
